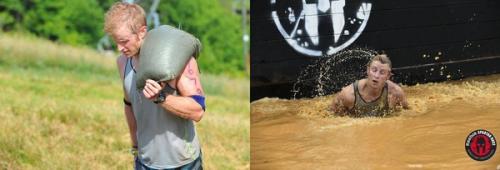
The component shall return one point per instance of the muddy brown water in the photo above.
(302, 134)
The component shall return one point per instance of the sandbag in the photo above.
(164, 54)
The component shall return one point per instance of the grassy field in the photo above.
(61, 108)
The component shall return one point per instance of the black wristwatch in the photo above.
(161, 97)
(167, 90)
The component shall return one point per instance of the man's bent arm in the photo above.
(188, 85)
(337, 106)
(401, 97)
(403, 101)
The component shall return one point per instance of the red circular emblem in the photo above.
(480, 145)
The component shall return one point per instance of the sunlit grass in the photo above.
(61, 108)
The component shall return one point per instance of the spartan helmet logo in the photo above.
(319, 27)
(480, 145)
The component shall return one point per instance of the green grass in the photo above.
(61, 108)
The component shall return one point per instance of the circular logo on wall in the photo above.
(480, 145)
(319, 27)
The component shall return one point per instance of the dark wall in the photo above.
(427, 40)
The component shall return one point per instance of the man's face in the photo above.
(378, 73)
(128, 43)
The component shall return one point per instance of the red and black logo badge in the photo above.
(480, 145)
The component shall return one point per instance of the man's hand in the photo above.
(153, 88)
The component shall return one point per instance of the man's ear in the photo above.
(142, 32)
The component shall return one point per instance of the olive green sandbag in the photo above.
(164, 54)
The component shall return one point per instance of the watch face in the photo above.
(161, 97)
(168, 89)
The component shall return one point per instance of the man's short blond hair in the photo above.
(382, 58)
(124, 13)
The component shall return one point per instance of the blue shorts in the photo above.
(197, 164)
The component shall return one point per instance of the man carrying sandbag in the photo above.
(160, 109)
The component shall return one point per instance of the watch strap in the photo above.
(167, 90)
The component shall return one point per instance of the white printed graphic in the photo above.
(299, 24)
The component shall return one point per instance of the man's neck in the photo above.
(135, 62)
(370, 91)
(135, 57)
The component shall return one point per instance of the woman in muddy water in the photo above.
(374, 95)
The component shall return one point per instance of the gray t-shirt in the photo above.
(164, 139)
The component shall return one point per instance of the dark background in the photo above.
(464, 34)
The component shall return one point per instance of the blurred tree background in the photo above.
(217, 23)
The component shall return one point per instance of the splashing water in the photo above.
(330, 73)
